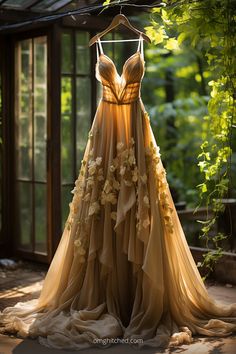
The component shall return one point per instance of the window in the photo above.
(1, 154)
(31, 138)
(76, 101)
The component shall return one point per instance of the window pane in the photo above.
(25, 215)
(83, 116)
(66, 197)
(31, 142)
(40, 107)
(23, 108)
(82, 53)
(67, 132)
(108, 46)
(66, 53)
(40, 218)
(14, 3)
(1, 154)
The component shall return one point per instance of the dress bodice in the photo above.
(124, 88)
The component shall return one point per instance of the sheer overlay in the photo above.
(123, 268)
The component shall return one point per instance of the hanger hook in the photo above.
(121, 9)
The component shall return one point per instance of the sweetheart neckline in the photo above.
(127, 60)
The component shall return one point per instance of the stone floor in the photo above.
(24, 283)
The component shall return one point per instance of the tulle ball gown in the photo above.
(123, 268)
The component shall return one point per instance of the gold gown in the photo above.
(123, 268)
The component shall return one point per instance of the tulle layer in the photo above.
(123, 268)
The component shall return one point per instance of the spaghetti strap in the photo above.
(140, 45)
(98, 43)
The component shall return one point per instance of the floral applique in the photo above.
(153, 159)
(95, 189)
(146, 116)
(91, 174)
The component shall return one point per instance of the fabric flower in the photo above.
(90, 181)
(77, 242)
(132, 141)
(131, 159)
(146, 222)
(119, 145)
(98, 161)
(146, 115)
(116, 184)
(87, 197)
(94, 208)
(169, 227)
(127, 182)
(108, 198)
(143, 178)
(74, 190)
(73, 208)
(114, 215)
(135, 175)
(112, 168)
(115, 162)
(146, 200)
(107, 186)
(79, 247)
(92, 168)
(122, 170)
(91, 152)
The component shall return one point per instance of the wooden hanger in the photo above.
(117, 20)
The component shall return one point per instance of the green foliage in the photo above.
(214, 37)
(177, 125)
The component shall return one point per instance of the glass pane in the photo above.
(40, 218)
(67, 132)
(83, 116)
(23, 108)
(25, 215)
(66, 53)
(1, 155)
(40, 107)
(66, 197)
(82, 53)
(108, 47)
(31, 140)
(15, 3)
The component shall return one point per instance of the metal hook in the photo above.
(121, 9)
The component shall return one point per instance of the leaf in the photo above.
(165, 17)
(203, 187)
(156, 10)
(181, 37)
(156, 35)
(172, 44)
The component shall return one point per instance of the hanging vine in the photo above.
(214, 36)
(208, 27)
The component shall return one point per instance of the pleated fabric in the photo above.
(123, 268)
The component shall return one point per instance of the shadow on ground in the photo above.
(13, 345)
(25, 284)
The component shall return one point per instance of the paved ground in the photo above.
(25, 282)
